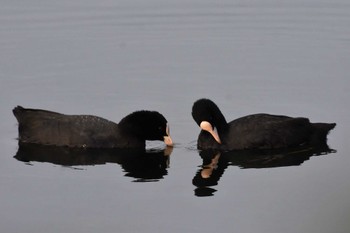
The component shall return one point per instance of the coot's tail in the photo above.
(23, 121)
(35, 125)
(17, 111)
(320, 132)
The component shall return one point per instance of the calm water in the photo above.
(110, 58)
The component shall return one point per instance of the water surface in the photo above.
(110, 58)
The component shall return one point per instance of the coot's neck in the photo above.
(133, 124)
(219, 120)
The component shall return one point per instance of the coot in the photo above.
(257, 131)
(51, 128)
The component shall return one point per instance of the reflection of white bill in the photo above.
(208, 169)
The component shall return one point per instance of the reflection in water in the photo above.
(145, 166)
(215, 163)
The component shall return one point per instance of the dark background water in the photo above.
(109, 58)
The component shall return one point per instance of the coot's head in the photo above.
(147, 125)
(209, 117)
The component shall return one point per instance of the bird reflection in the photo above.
(215, 163)
(144, 166)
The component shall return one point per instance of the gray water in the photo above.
(110, 58)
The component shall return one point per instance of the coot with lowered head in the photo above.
(257, 131)
(51, 128)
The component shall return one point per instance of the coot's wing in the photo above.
(265, 131)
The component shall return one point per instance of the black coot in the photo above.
(51, 128)
(258, 131)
